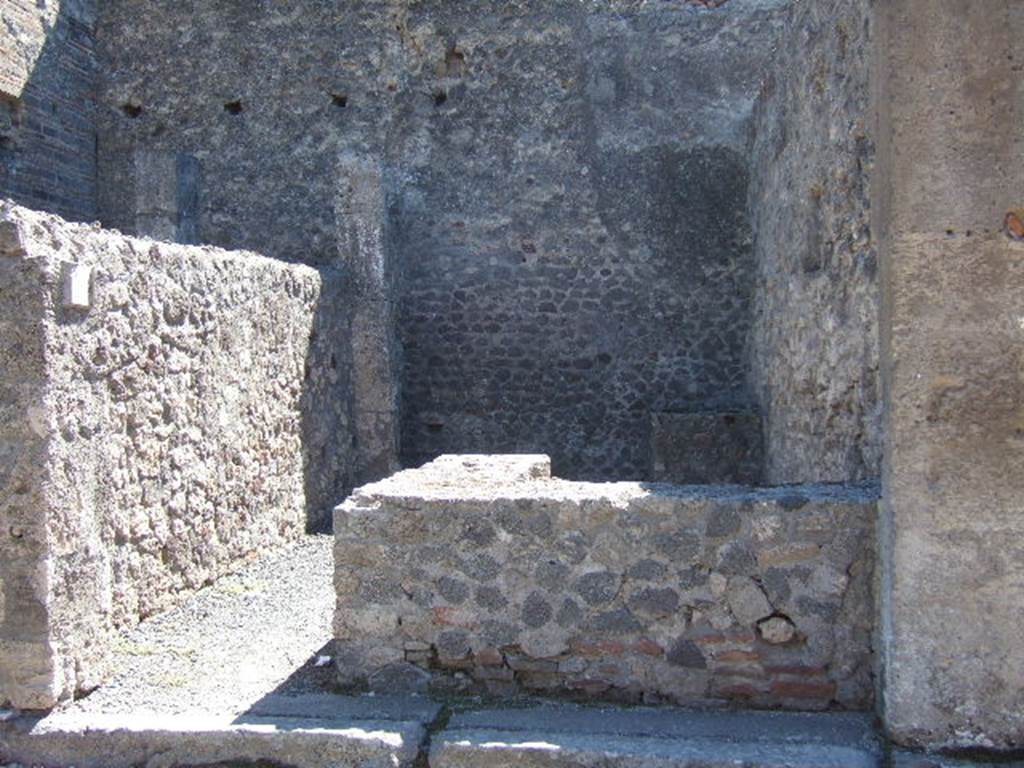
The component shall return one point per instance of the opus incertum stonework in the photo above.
(639, 352)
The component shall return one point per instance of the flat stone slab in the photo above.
(645, 738)
(158, 740)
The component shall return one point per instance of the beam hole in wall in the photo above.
(131, 109)
(440, 97)
(340, 100)
(454, 62)
(234, 107)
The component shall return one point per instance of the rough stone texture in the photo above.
(706, 448)
(567, 183)
(177, 426)
(168, 742)
(814, 346)
(952, 595)
(653, 738)
(618, 591)
(48, 78)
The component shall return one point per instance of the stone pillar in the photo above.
(30, 676)
(166, 196)
(948, 90)
(363, 250)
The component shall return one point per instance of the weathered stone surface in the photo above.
(151, 441)
(566, 184)
(952, 590)
(814, 343)
(653, 738)
(706, 447)
(48, 83)
(628, 616)
(125, 741)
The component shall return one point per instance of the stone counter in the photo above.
(485, 574)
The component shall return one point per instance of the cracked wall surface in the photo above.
(177, 414)
(485, 575)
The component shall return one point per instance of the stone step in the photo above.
(325, 730)
(322, 731)
(554, 737)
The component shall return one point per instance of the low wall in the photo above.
(166, 412)
(484, 574)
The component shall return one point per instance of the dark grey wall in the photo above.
(814, 346)
(567, 188)
(48, 81)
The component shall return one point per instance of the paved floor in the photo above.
(249, 635)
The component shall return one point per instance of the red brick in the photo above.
(727, 657)
(489, 657)
(795, 670)
(446, 616)
(648, 647)
(493, 673)
(588, 686)
(803, 690)
(600, 648)
(737, 691)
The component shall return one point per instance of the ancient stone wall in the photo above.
(566, 183)
(814, 346)
(168, 413)
(484, 574)
(48, 81)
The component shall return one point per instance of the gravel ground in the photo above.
(250, 634)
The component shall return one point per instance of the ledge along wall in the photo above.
(485, 575)
(167, 413)
(566, 187)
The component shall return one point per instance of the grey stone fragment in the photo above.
(747, 600)
(722, 521)
(551, 574)
(490, 598)
(736, 558)
(452, 590)
(658, 603)
(647, 570)
(453, 644)
(686, 653)
(569, 614)
(399, 678)
(681, 545)
(599, 587)
(536, 610)
(617, 622)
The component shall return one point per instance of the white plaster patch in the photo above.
(77, 286)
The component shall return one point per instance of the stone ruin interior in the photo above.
(651, 353)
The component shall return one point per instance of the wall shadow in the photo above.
(48, 84)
